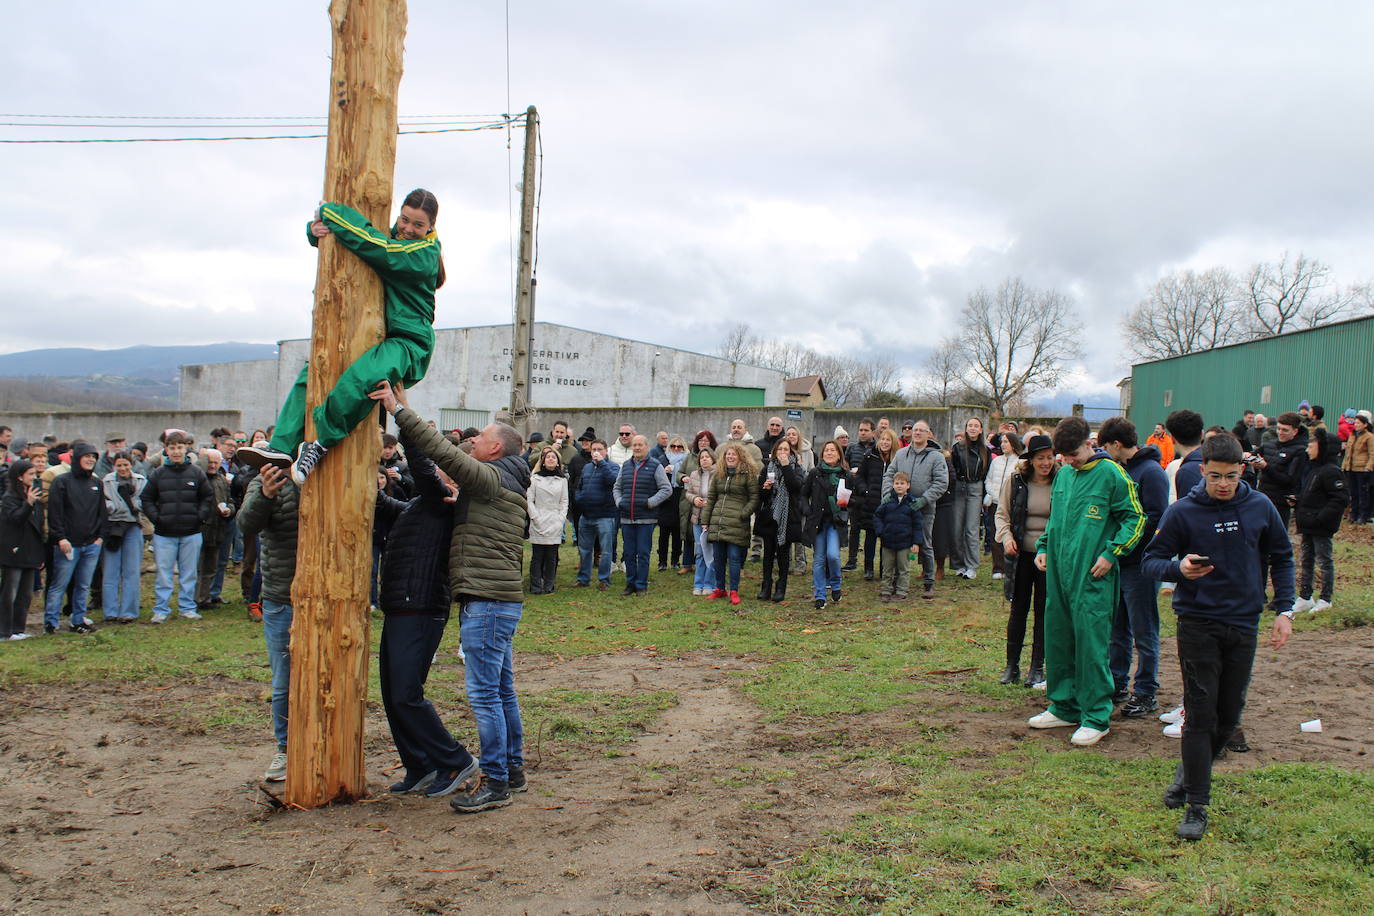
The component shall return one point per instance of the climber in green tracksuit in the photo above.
(1095, 519)
(411, 268)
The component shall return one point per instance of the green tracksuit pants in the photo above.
(347, 405)
(1078, 631)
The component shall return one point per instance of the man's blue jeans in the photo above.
(120, 575)
(594, 534)
(825, 563)
(222, 562)
(638, 541)
(276, 632)
(81, 565)
(1136, 624)
(488, 632)
(181, 554)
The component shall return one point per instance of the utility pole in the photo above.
(329, 633)
(522, 328)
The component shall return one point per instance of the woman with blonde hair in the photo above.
(733, 497)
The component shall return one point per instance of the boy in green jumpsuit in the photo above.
(1095, 519)
(409, 264)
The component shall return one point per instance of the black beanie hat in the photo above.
(588, 435)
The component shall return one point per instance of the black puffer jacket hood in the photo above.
(79, 449)
(415, 563)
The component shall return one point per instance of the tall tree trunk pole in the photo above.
(329, 633)
(522, 330)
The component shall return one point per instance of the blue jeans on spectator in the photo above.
(181, 554)
(1136, 625)
(276, 632)
(236, 552)
(594, 534)
(727, 559)
(222, 562)
(81, 566)
(705, 572)
(488, 631)
(825, 562)
(120, 569)
(638, 541)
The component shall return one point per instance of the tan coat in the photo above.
(1359, 452)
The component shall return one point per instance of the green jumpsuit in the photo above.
(1095, 512)
(409, 270)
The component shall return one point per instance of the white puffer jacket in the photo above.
(999, 470)
(548, 504)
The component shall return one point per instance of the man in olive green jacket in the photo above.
(485, 559)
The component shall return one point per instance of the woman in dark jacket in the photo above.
(971, 460)
(780, 518)
(22, 548)
(733, 498)
(867, 482)
(415, 598)
(827, 520)
(1325, 494)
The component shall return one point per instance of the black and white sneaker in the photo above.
(82, 627)
(491, 793)
(307, 456)
(1139, 706)
(255, 456)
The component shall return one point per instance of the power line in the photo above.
(97, 117)
(441, 130)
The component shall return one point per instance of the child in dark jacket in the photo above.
(901, 531)
(414, 597)
(1318, 514)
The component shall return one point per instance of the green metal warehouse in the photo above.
(1330, 365)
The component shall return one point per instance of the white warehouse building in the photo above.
(469, 377)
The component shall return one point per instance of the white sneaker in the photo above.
(191, 615)
(1038, 685)
(277, 771)
(461, 657)
(1173, 716)
(1303, 604)
(1086, 736)
(18, 636)
(996, 576)
(1173, 730)
(159, 618)
(1320, 605)
(1048, 719)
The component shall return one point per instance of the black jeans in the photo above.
(1216, 659)
(1316, 552)
(543, 567)
(669, 542)
(870, 546)
(1027, 580)
(16, 591)
(779, 556)
(409, 642)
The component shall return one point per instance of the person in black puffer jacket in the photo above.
(781, 478)
(76, 522)
(22, 548)
(415, 599)
(177, 500)
(1320, 507)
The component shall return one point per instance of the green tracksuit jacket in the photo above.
(1096, 513)
(409, 270)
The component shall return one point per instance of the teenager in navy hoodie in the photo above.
(1225, 534)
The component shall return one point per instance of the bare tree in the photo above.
(942, 375)
(1017, 340)
(1186, 312)
(738, 344)
(1287, 296)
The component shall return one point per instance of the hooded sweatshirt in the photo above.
(1237, 535)
(1152, 487)
(1189, 473)
(76, 506)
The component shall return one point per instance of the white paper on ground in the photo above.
(1314, 726)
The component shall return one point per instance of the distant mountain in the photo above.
(156, 364)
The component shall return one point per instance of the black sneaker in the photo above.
(414, 782)
(492, 793)
(82, 628)
(1176, 796)
(450, 781)
(1194, 823)
(49, 629)
(629, 590)
(850, 566)
(928, 591)
(307, 457)
(1121, 695)
(1237, 742)
(868, 575)
(1140, 706)
(515, 779)
(820, 604)
(834, 596)
(255, 456)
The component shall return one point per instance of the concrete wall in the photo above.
(471, 369)
(136, 425)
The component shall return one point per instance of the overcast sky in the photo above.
(842, 175)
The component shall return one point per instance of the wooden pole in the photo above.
(329, 634)
(522, 330)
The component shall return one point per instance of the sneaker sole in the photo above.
(457, 783)
(485, 806)
(255, 459)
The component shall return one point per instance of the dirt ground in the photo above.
(108, 809)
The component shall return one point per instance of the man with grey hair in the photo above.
(925, 466)
(485, 558)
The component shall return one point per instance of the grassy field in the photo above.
(1030, 830)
